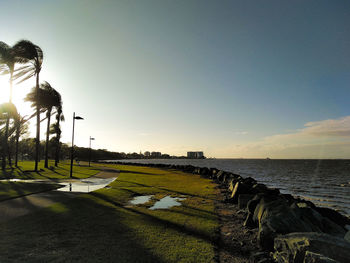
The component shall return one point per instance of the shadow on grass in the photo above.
(210, 215)
(77, 235)
(163, 189)
(98, 229)
(136, 172)
(159, 221)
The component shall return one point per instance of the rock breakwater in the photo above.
(290, 229)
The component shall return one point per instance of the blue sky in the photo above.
(231, 78)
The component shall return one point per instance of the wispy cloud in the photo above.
(241, 132)
(319, 139)
(339, 127)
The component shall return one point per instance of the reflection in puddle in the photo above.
(167, 202)
(85, 186)
(141, 199)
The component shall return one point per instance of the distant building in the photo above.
(156, 154)
(195, 155)
(147, 154)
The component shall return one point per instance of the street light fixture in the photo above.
(72, 150)
(91, 139)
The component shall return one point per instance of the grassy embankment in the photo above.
(103, 226)
(24, 170)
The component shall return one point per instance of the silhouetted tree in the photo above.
(47, 99)
(9, 56)
(56, 129)
(21, 128)
(8, 111)
(34, 55)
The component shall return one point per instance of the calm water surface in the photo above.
(324, 182)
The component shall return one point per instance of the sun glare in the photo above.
(18, 95)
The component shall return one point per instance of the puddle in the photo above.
(167, 202)
(85, 186)
(141, 199)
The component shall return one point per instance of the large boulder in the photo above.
(277, 217)
(297, 247)
(240, 188)
(347, 236)
(205, 172)
(243, 200)
(232, 183)
(316, 220)
(251, 205)
(219, 175)
(188, 169)
(333, 215)
(311, 257)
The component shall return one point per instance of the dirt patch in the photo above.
(236, 243)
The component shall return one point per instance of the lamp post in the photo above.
(91, 139)
(72, 150)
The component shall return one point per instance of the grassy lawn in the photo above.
(103, 227)
(25, 171)
(9, 190)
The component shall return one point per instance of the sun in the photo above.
(18, 95)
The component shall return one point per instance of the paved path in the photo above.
(24, 205)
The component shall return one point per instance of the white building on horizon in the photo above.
(195, 155)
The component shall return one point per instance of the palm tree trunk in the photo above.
(3, 155)
(9, 155)
(48, 115)
(37, 141)
(6, 144)
(58, 137)
(18, 128)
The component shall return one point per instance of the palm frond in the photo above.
(24, 74)
(4, 70)
(23, 68)
(26, 51)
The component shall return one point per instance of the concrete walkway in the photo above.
(24, 205)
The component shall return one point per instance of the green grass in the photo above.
(25, 171)
(9, 190)
(103, 227)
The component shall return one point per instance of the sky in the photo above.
(235, 79)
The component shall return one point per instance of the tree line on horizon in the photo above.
(26, 151)
(21, 62)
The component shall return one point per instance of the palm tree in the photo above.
(21, 127)
(56, 129)
(47, 99)
(7, 111)
(9, 56)
(34, 55)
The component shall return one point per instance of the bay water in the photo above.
(324, 182)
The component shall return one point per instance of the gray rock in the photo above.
(220, 175)
(249, 222)
(347, 236)
(293, 247)
(243, 200)
(311, 257)
(240, 188)
(333, 215)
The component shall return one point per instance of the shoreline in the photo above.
(288, 228)
(326, 183)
